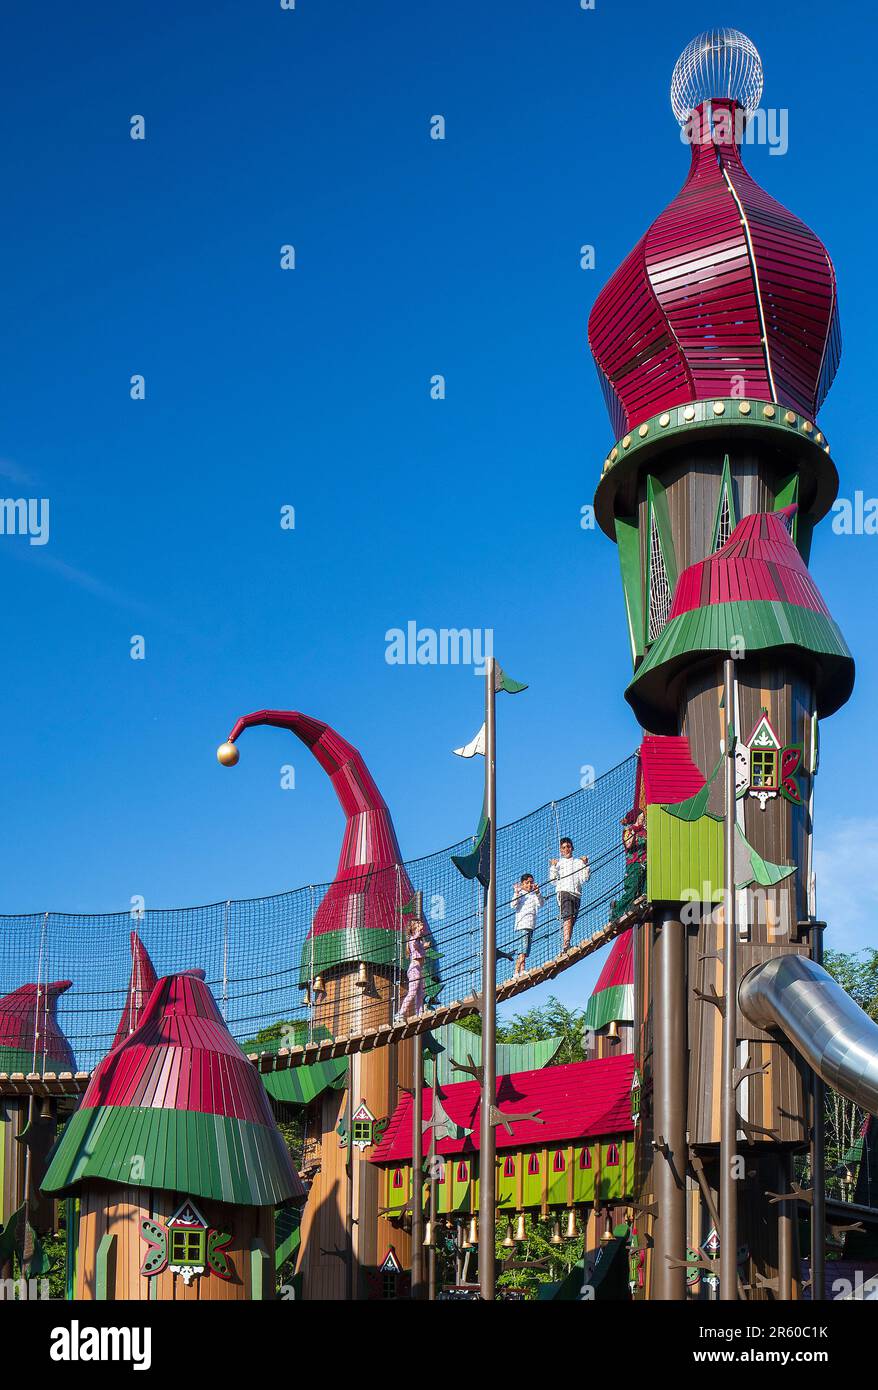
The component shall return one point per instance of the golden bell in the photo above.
(362, 976)
(508, 1240)
(570, 1232)
(555, 1237)
(319, 984)
(473, 1237)
(613, 1030)
(227, 754)
(520, 1233)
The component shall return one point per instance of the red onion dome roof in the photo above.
(727, 294)
(754, 590)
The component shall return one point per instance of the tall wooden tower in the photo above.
(716, 341)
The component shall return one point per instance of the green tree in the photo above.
(550, 1020)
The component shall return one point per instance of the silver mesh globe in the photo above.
(718, 63)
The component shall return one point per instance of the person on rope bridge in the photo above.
(568, 874)
(418, 944)
(526, 903)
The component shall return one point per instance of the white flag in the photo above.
(475, 745)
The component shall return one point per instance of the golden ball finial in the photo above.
(227, 754)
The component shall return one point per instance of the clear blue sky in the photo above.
(311, 388)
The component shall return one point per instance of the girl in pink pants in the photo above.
(417, 949)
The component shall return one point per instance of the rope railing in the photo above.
(278, 983)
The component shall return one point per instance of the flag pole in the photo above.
(487, 1133)
(728, 1191)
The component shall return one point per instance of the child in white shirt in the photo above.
(526, 903)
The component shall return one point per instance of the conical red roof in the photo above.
(181, 1095)
(140, 987)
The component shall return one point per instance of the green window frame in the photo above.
(187, 1246)
(362, 1132)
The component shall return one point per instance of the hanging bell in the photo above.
(570, 1232)
(608, 1233)
(362, 976)
(520, 1233)
(319, 984)
(508, 1239)
(555, 1238)
(613, 1031)
(473, 1237)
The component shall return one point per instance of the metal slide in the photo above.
(839, 1041)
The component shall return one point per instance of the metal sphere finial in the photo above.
(718, 63)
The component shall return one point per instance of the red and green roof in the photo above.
(754, 594)
(30, 1035)
(580, 1100)
(613, 995)
(181, 1096)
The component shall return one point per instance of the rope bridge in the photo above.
(264, 963)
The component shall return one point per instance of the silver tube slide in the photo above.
(839, 1041)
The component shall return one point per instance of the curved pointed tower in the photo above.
(715, 342)
(351, 965)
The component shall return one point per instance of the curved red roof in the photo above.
(29, 1029)
(726, 291)
(582, 1100)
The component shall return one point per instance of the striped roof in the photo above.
(182, 1095)
(360, 911)
(612, 999)
(140, 987)
(755, 592)
(726, 284)
(30, 1035)
(581, 1100)
(669, 774)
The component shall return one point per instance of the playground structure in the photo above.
(713, 1026)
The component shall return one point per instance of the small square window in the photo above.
(763, 768)
(362, 1130)
(187, 1247)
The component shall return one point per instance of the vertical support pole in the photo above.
(418, 1173)
(349, 1171)
(669, 1069)
(431, 1253)
(487, 1133)
(785, 1233)
(226, 960)
(818, 1155)
(728, 1192)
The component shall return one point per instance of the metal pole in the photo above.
(418, 1174)
(728, 1192)
(669, 1228)
(818, 1155)
(487, 1133)
(431, 1252)
(785, 1233)
(349, 1168)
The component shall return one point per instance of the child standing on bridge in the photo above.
(418, 942)
(568, 874)
(526, 903)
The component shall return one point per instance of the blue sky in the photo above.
(310, 388)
